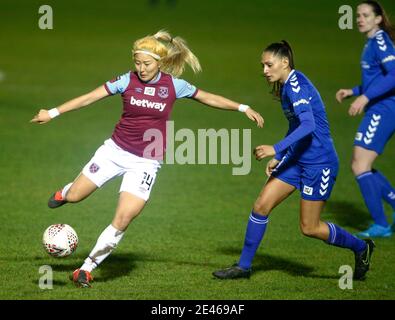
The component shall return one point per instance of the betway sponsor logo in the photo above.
(147, 104)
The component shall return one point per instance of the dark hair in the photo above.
(283, 50)
(385, 24)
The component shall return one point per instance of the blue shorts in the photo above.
(314, 183)
(376, 128)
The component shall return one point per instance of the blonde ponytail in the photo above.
(173, 52)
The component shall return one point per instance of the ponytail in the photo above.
(173, 53)
(283, 50)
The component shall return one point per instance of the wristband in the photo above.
(243, 108)
(53, 113)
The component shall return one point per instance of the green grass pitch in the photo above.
(196, 218)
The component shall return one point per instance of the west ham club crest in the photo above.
(94, 168)
(163, 92)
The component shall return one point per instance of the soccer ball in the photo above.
(60, 240)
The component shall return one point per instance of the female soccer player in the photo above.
(305, 160)
(376, 96)
(148, 95)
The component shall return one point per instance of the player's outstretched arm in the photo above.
(220, 102)
(44, 115)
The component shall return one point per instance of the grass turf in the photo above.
(197, 214)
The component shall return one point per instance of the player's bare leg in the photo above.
(129, 207)
(273, 193)
(76, 191)
(310, 222)
(312, 226)
(362, 160)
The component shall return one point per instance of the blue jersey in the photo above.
(378, 71)
(308, 141)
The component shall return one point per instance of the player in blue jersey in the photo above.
(305, 160)
(375, 97)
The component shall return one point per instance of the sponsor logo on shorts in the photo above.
(358, 136)
(308, 190)
(94, 168)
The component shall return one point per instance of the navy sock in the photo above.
(255, 230)
(387, 191)
(341, 238)
(371, 193)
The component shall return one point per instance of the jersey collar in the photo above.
(156, 79)
(290, 75)
(377, 32)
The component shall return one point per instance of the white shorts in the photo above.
(111, 161)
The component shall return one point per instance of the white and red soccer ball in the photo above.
(60, 240)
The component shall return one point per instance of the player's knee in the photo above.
(262, 207)
(122, 220)
(121, 223)
(309, 230)
(358, 167)
(73, 196)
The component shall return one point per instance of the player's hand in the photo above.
(41, 117)
(271, 165)
(358, 105)
(264, 151)
(343, 94)
(255, 116)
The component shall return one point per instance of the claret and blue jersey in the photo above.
(146, 107)
(308, 140)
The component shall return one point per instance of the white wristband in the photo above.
(53, 113)
(243, 107)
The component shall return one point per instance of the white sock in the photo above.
(65, 189)
(106, 243)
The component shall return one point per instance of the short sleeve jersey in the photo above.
(146, 108)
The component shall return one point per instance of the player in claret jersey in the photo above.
(376, 96)
(148, 96)
(305, 159)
